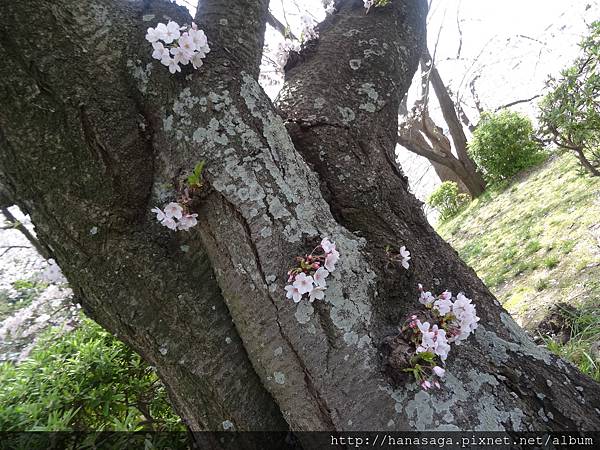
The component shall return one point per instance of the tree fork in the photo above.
(174, 297)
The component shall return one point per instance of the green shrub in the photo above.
(569, 113)
(85, 380)
(502, 145)
(447, 200)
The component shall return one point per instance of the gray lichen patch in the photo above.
(319, 102)
(373, 102)
(304, 312)
(211, 135)
(446, 409)
(168, 123)
(346, 114)
(140, 73)
(354, 64)
(184, 103)
(279, 377)
(350, 338)
(498, 348)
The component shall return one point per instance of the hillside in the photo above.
(536, 243)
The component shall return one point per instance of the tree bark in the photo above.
(93, 134)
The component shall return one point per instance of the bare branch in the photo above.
(516, 102)
(460, 34)
(280, 27)
(30, 237)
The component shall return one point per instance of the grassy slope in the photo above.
(536, 243)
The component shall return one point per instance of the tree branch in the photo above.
(236, 27)
(516, 102)
(281, 28)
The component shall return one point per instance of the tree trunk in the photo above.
(93, 134)
(449, 111)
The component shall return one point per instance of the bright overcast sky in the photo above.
(509, 46)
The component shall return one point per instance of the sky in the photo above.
(509, 46)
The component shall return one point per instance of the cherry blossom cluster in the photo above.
(309, 31)
(459, 317)
(448, 321)
(283, 51)
(175, 217)
(308, 278)
(402, 256)
(184, 45)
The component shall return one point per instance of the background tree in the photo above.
(570, 112)
(93, 134)
(419, 134)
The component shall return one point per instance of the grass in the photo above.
(536, 242)
(583, 348)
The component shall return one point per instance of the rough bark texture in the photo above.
(93, 133)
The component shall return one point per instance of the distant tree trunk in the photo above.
(449, 111)
(93, 133)
(461, 169)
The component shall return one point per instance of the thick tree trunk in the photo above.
(93, 134)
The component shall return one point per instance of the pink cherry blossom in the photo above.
(303, 283)
(169, 223)
(173, 210)
(188, 221)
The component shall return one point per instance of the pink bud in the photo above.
(437, 385)
(316, 265)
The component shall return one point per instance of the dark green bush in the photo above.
(447, 200)
(85, 380)
(502, 145)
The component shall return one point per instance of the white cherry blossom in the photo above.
(439, 371)
(405, 254)
(443, 306)
(155, 34)
(159, 51)
(172, 32)
(320, 275)
(331, 259)
(293, 293)
(327, 245)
